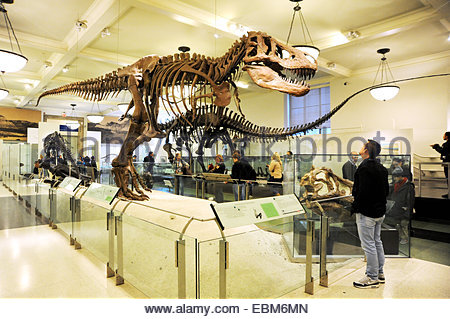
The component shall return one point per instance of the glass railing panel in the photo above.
(260, 264)
(185, 185)
(63, 213)
(90, 229)
(34, 194)
(162, 176)
(43, 199)
(149, 258)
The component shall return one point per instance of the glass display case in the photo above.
(172, 246)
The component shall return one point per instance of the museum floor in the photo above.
(37, 262)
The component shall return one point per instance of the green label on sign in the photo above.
(108, 198)
(270, 210)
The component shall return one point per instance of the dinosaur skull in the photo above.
(277, 66)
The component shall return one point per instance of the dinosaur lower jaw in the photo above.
(267, 78)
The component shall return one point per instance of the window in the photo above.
(308, 108)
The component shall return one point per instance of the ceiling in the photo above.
(46, 32)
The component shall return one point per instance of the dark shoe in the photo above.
(366, 282)
(381, 278)
(445, 196)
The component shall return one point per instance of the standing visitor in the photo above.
(370, 190)
(276, 174)
(349, 168)
(444, 150)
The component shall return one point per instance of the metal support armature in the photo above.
(309, 281)
(224, 249)
(180, 263)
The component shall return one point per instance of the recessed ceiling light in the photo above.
(65, 69)
(80, 25)
(216, 35)
(105, 33)
(331, 65)
(352, 35)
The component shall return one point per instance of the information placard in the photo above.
(100, 192)
(70, 184)
(236, 214)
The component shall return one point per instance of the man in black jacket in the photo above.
(370, 190)
(444, 150)
(349, 168)
(238, 174)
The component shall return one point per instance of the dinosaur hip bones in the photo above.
(185, 86)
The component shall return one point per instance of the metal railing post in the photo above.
(196, 188)
(180, 263)
(110, 228)
(420, 179)
(309, 280)
(324, 234)
(247, 190)
(448, 184)
(176, 185)
(223, 266)
(203, 188)
(119, 233)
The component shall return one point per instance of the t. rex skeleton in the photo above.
(185, 85)
(182, 84)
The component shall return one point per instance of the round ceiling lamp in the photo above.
(93, 118)
(10, 61)
(384, 92)
(3, 93)
(73, 125)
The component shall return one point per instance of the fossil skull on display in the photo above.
(274, 65)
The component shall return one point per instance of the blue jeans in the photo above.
(239, 189)
(180, 185)
(369, 231)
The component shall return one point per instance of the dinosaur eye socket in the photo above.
(285, 54)
(252, 52)
(268, 44)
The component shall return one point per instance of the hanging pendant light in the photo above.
(73, 125)
(10, 61)
(388, 91)
(95, 118)
(307, 48)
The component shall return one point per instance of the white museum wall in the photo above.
(421, 105)
(263, 107)
(92, 145)
(32, 135)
